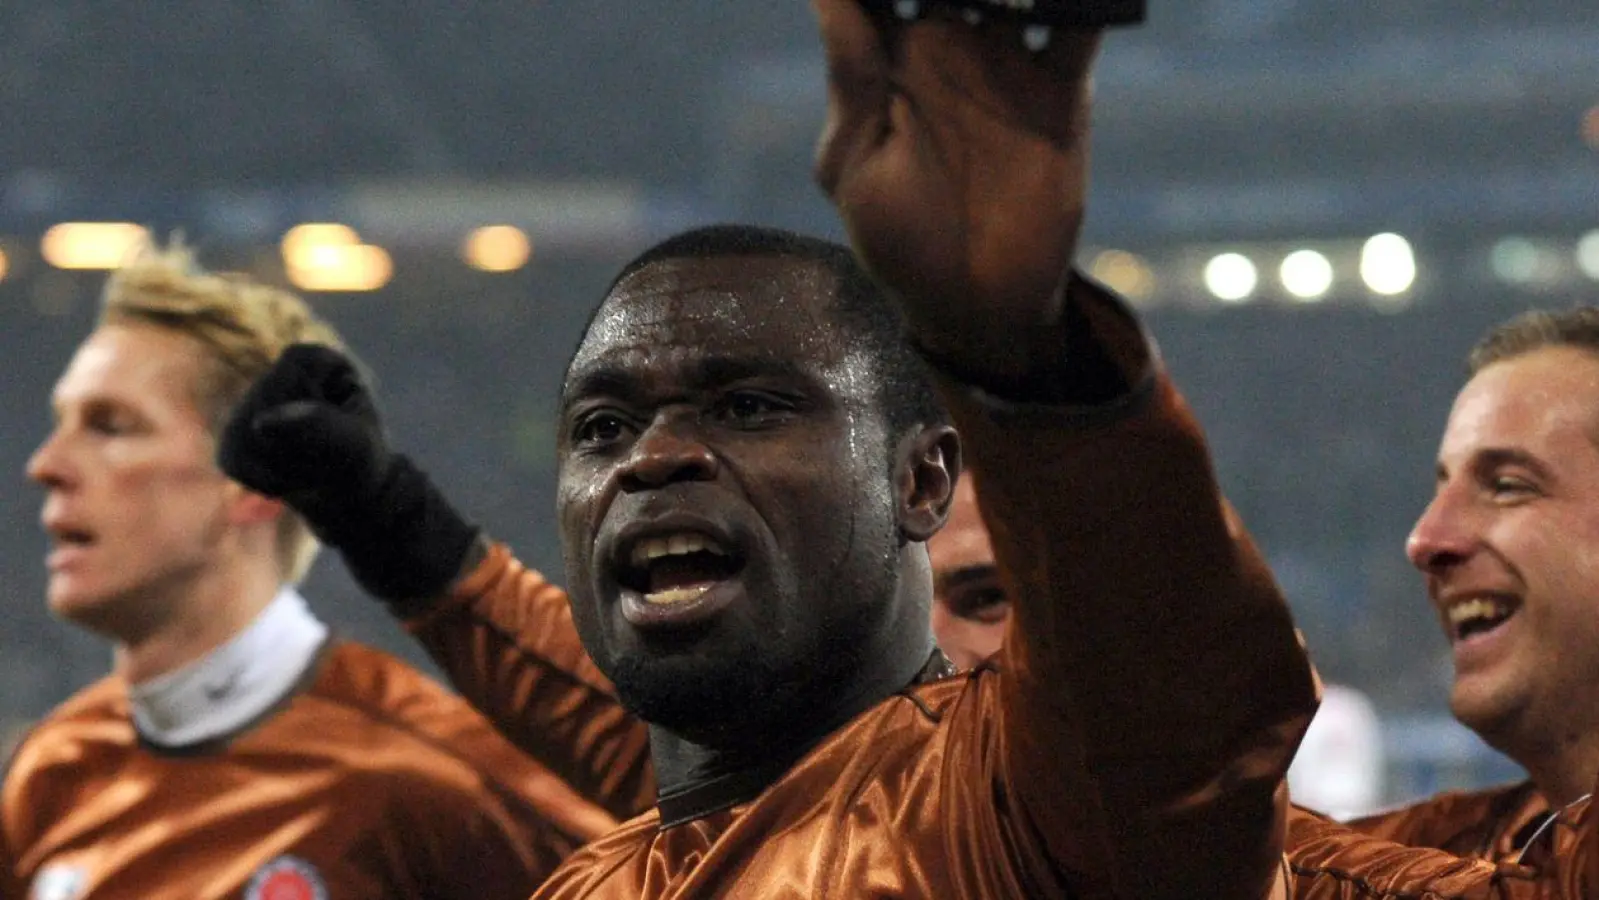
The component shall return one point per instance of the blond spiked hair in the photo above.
(241, 327)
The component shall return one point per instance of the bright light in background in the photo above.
(1588, 254)
(1125, 273)
(1388, 265)
(1231, 277)
(302, 242)
(5, 264)
(90, 245)
(328, 256)
(497, 248)
(1517, 260)
(342, 267)
(1307, 275)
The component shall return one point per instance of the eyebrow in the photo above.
(966, 575)
(1497, 457)
(709, 372)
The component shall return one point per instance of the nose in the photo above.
(1443, 537)
(48, 466)
(668, 451)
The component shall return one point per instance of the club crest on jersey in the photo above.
(286, 878)
(59, 882)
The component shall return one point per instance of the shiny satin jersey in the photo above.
(368, 782)
(907, 801)
(1493, 824)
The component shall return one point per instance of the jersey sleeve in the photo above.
(461, 845)
(1153, 688)
(506, 640)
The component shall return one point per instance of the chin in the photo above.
(1488, 709)
(92, 610)
(692, 693)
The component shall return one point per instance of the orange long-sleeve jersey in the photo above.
(369, 781)
(1131, 741)
(1493, 824)
(506, 640)
(1053, 775)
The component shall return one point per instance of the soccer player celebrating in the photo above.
(750, 467)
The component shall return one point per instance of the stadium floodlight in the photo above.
(497, 248)
(1307, 275)
(1516, 260)
(90, 245)
(1388, 265)
(1231, 277)
(1588, 254)
(341, 267)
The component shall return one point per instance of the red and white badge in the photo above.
(286, 878)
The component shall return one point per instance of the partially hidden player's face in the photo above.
(134, 503)
(970, 609)
(726, 500)
(1510, 543)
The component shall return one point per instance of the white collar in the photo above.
(224, 690)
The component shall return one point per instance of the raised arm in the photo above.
(1153, 689)
(308, 432)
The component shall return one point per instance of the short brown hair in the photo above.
(1577, 327)
(241, 325)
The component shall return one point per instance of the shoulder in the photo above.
(69, 751)
(599, 865)
(953, 697)
(96, 716)
(425, 745)
(1442, 820)
(384, 693)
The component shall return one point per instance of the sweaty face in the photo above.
(1510, 545)
(970, 610)
(133, 501)
(725, 497)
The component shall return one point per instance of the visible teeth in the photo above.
(1476, 608)
(681, 544)
(676, 595)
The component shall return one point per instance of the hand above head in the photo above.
(958, 158)
(308, 432)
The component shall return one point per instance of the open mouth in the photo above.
(1478, 616)
(675, 568)
(70, 538)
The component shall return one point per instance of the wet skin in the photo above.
(716, 397)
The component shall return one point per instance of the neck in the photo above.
(232, 686)
(750, 752)
(697, 778)
(210, 610)
(1564, 769)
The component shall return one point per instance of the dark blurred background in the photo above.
(1320, 204)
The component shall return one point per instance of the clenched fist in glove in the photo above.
(308, 433)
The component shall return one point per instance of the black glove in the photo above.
(308, 433)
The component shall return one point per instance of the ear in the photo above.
(246, 507)
(928, 465)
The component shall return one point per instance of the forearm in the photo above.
(1149, 643)
(505, 638)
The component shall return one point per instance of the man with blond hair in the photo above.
(237, 749)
